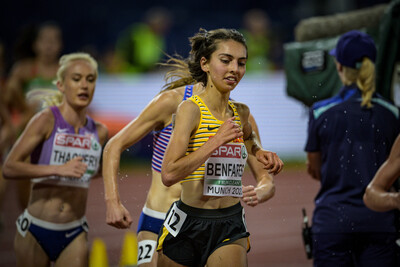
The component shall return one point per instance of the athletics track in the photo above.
(275, 226)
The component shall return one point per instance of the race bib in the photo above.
(68, 146)
(174, 221)
(23, 223)
(146, 250)
(224, 170)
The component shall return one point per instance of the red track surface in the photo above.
(275, 226)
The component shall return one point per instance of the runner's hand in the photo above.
(117, 215)
(229, 131)
(250, 196)
(271, 161)
(73, 168)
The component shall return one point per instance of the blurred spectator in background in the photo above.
(140, 47)
(263, 47)
(37, 54)
(4, 117)
(2, 65)
(6, 130)
(29, 86)
(6, 133)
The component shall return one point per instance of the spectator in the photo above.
(263, 45)
(349, 136)
(142, 45)
(34, 71)
(30, 86)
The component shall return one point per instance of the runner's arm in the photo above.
(38, 129)
(269, 159)
(377, 196)
(156, 113)
(265, 188)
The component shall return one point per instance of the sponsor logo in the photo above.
(61, 130)
(70, 234)
(70, 140)
(212, 128)
(228, 151)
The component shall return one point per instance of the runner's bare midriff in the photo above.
(161, 197)
(57, 204)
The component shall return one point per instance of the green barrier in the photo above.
(310, 70)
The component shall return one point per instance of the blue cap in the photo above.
(352, 47)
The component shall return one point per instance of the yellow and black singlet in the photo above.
(222, 172)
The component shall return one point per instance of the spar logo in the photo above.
(228, 151)
(76, 141)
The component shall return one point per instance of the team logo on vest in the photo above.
(76, 141)
(244, 152)
(95, 145)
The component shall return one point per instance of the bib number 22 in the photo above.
(146, 250)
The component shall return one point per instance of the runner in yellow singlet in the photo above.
(210, 143)
(157, 117)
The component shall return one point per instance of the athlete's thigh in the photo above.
(75, 254)
(147, 255)
(28, 251)
(231, 255)
(164, 261)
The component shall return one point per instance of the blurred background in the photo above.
(128, 38)
(97, 25)
(288, 69)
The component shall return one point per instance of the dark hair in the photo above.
(23, 45)
(178, 73)
(28, 35)
(203, 44)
